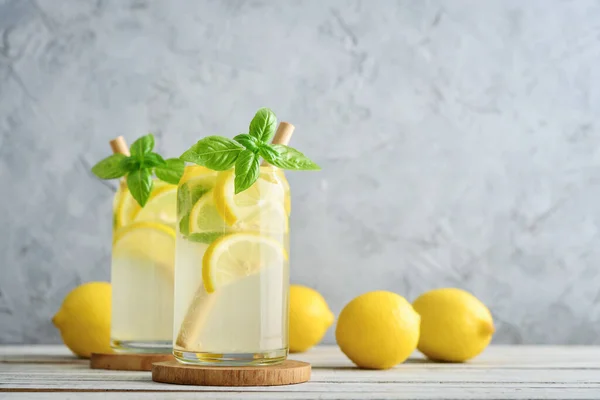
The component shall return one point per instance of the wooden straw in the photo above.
(202, 302)
(194, 319)
(118, 145)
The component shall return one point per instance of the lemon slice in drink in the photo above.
(148, 241)
(161, 206)
(125, 207)
(268, 218)
(193, 172)
(204, 216)
(238, 255)
(267, 193)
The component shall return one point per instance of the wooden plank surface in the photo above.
(501, 372)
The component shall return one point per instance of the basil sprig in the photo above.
(245, 151)
(139, 168)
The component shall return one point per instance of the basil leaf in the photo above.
(267, 152)
(214, 152)
(262, 126)
(249, 142)
(184, 205)
(152, 160)
(247, 169)
(205, 237)
(290, 158)
(186, 198)
(171, 171)
(130, 164)
(143, 145)
(140, 185)
(111, 167)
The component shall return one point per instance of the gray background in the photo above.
(458, 142)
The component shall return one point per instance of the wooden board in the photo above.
(287, 373)
(501, 372)
(127, 361)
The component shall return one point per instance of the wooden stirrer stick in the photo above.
(118, 145)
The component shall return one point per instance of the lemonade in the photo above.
(232, 269)
(142, 270)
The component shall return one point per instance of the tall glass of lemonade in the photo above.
(142, 268)
(232, 269)
(143, 248)
(231, 261)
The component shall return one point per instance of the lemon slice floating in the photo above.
(126, 207)
(204, 216)
(161, 206)
(149, 241)
(262, 206)
(269, 218)
(193, 172)
(238, 255)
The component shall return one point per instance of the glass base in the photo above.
(135, 346)
(270, 357)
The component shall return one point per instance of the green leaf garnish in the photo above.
(247, 169)
(267, 152)
(171, 171)
(140, 185)
(139, 167)
(215, 152)
(111, 167)
(263, 125)
(143, 145)
(150, 160)
(131, 164)
(220, 153)
(249, 142)
(289, 158)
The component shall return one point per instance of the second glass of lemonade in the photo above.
(142, 274)
(231, 269)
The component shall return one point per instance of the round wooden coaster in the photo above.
(286, 373)
(127, 361)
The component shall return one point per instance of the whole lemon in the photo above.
(378, 330)
(455, 325)
(309, 318)
(84, 319)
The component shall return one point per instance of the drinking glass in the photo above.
(143, 255)
(231, 269)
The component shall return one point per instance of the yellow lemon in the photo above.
(237, 255)
(378, 330)
(204, 216)
(161, 206)
(145, 241)
(84, 319)
(310, 318)
(126, 208)
(455, 325)
(263, 205)
(195, 171)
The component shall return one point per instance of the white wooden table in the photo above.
(502, 372)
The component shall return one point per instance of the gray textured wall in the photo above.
(458, 142)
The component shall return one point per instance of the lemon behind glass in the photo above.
(84, 319)
(455, 325)
(310, 318)
(378, 330)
